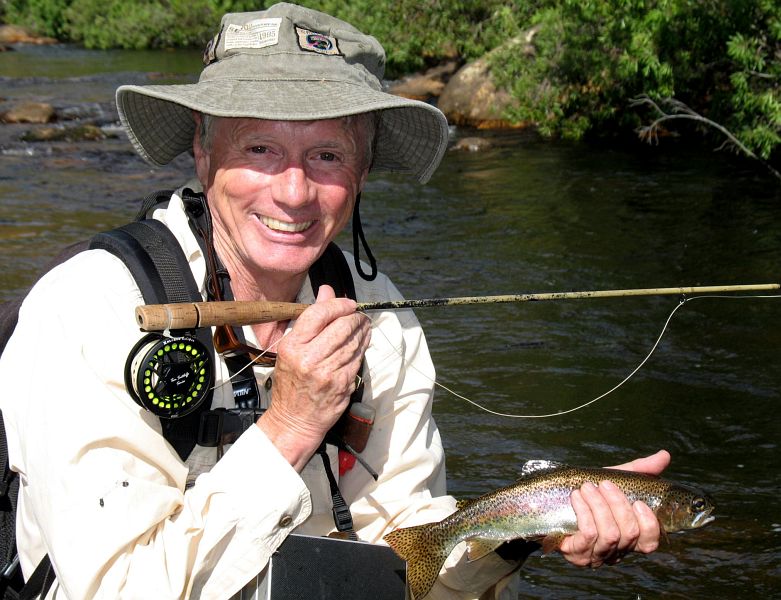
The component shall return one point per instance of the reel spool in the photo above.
(169, 377)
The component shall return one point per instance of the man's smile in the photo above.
(276, 225)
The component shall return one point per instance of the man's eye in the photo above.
(328, 156)
(258, 149)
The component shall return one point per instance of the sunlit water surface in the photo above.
(524, 216)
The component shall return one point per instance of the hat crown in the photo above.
(287, 63)
(287, 42)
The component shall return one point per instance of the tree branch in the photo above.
(678, 110)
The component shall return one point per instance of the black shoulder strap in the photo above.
(156, 261)
(332, 268)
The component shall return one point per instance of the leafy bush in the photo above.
(418, 33)
(45, 17)
(118, 23)
(720, 57)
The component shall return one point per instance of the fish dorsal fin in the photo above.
(540, 466)
(480, 547)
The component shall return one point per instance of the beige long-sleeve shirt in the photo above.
(121, 516)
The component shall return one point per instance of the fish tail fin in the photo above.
(425, 554)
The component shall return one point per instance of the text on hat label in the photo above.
(255, 34)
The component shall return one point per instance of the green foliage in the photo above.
(589, 59)
(46, 17)
(140, 24)
(417, 33)
(755, 96)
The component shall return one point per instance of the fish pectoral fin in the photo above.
(479, 547)
(551, 542)
(663, 534)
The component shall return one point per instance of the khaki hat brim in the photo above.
(411, 135)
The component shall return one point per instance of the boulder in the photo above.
(427, 85)
(13, 34)
(79, 133)
(29, 112)
(471, 144)
(471, 97)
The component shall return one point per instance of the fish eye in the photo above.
(699, 504)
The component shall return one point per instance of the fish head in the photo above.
(685, 508)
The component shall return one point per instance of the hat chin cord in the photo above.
(358, 236)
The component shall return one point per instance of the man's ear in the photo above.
(201, 155)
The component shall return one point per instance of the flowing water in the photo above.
(524, 216)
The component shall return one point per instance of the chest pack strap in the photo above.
(332, 269)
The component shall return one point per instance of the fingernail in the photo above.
(590, 486)
(608, 485)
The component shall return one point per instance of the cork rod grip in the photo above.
(186, 315)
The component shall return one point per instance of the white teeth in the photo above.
(287, 227)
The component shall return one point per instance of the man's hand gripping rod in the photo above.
(187, 315)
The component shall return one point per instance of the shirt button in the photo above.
(267, 385)
(285, 521)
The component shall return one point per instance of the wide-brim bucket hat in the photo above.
(287, 63)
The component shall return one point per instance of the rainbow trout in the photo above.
(536, 507)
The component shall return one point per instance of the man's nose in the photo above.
(293, 187)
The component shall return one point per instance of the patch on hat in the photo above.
(255, 34)
(317, 42)
(210, 54)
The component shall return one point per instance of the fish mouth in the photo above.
(702, 520)
(283, 226)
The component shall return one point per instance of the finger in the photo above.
(577, 548)
(319, 315)
(608, 532)
(325, 292)
(650, 529)
(344, 341)
(652, 465)
(624, 517)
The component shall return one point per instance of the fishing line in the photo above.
(250, 364)
(681, 302)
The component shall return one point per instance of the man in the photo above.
(286, 122)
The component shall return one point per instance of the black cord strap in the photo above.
(342, 516)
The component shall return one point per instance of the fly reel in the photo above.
(169, 377)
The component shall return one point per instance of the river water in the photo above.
(523, 216)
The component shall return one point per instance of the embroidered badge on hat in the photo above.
(255, 34)
(210, 53)
(317, 42)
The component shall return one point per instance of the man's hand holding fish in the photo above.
(609, 526)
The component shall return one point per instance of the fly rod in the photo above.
(187, 315)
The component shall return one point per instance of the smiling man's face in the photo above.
(280, 191)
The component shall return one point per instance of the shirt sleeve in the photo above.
(101, 490)
(406, 448)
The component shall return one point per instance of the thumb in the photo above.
(326, 292)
